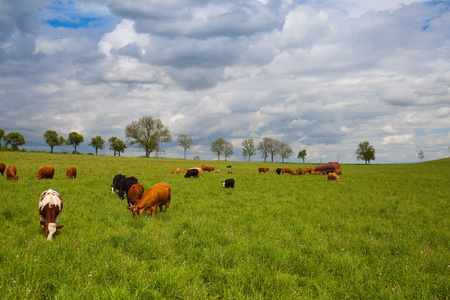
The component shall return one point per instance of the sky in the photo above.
(315, 74)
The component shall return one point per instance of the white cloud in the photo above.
(404, 139)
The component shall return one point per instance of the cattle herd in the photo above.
(159, 195)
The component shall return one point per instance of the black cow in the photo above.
(229, 183)
(191, 173)
(116, 181)
(125, 184)
(278, 171)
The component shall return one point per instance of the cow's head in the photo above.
(50, 229)
(136, 210)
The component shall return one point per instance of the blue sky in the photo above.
(317, 75)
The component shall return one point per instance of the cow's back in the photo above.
(11, 173)
(45, 172)
(2, 168)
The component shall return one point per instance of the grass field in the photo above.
(381, 232)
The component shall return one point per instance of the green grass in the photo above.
(381, 232)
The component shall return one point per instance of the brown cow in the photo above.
(71, 172)
(135, 194)
(263, 170)
(332, 176)
(206, 168)
(11, 173)
(316, 172)
(172, 171)
(230, 172)
(45, 172)
(287, 170)
(299, 171)
(158, 195)
(177, 170)
(338, 172)
(50, 206)
(2, 168)
(308, 170)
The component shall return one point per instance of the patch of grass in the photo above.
(379, 232)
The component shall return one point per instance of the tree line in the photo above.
(149, 133)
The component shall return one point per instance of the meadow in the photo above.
(380, 232)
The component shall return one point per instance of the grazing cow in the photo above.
(172, 171)
(191, 173)
(2, 168)
(287, 170)
(338, 172)
(71, 172)
(333, 176)
(230, 172)
(50, 206)
(228, 166)
(228, 183)
(316, 172)
(263, 170)
(135, 193)
(308, 170)
(206, 168)
(45, 172)
(299, 171)
(157, 196)
(11, 173)
(125, 184)
(278, 171)
(218, 171)
(116, 181)
(200, 171)
(177, 170)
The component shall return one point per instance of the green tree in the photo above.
(284, 150)
(302, 155)
(249, 148)
(2, 135)
(116, 145)
(228, 150)
(75, 139)
(147, 133)
(421, 155)
(365, 152)
(111, 144)
(185, 142)
(218, 147)
(98, 143)
(14, 139)
(53, 140)
(269, 146)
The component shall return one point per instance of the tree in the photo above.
(421, 155)
(111, 144)
(228, 150)
(52, 139)
(218, 146)
(365, 152)
(185, 142)
(249, 148)
(119, 146)
(268, 146)
(2, 135)
(14, 139)
(98, 143)
(75, 139)
(302, 154)
(284, 150)
(147, 133)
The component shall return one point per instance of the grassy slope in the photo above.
(380, 232)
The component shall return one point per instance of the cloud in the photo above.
(404, 139)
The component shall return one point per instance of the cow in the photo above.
(263, 170)
(116, 181)
(125, 184)
(287, 170)
(11, 173)
(308, 170)
(230, 172)
(206, 168)
(228, 166)
(45, 172)
(157, 196)
(228, 183)
(316, 172)
(191, 173)
(278, 170)
(333, 176)
(338, 172)
(50, 206)
(299, 171)
(71, 173)
(172, 171)
(134, 194)
(2, 168)
(200, 171)
(177, 170)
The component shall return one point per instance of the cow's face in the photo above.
(50, 229)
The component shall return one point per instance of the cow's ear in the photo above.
(59, 226)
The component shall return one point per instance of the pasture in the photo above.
(380, 232)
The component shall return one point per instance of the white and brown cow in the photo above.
(50, 206)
